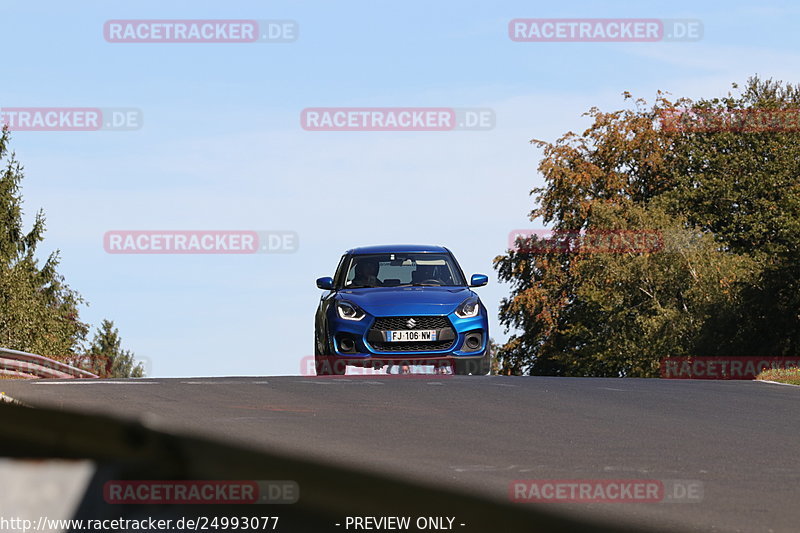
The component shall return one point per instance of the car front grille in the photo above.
(395, 323)
(392, 323)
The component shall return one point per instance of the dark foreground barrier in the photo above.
(179, 469)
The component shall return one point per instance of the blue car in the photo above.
(401, 305)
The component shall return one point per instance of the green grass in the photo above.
(781, 375)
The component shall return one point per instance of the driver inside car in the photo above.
(425, 273)
(366, 274)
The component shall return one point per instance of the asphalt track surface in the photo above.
(739, 439)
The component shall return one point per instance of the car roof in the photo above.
(399, 248)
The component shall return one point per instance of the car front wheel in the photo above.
(327, 365)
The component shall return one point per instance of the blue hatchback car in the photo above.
(401, 304)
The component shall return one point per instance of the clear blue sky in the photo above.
(222, 148)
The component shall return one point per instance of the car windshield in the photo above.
(402, 269)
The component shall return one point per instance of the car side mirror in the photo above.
(325, 283)
(478, 280)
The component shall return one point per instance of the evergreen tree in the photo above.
(38, 311)
(106, 358)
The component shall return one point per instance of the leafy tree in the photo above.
(742, 185)
(38, 311)
(725, 283)
(106, 358)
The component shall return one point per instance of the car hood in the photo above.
(400, 301)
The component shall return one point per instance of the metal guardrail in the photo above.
(14, 363)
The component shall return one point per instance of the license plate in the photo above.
(417, 335)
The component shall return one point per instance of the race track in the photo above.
(740, 440)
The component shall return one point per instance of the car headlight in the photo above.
(349, 311)
(469, 308)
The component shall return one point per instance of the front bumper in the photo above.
(363, 342)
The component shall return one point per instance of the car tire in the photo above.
(473, 367)
(327, 365)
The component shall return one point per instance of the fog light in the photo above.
(347, 344)
(473, 341)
